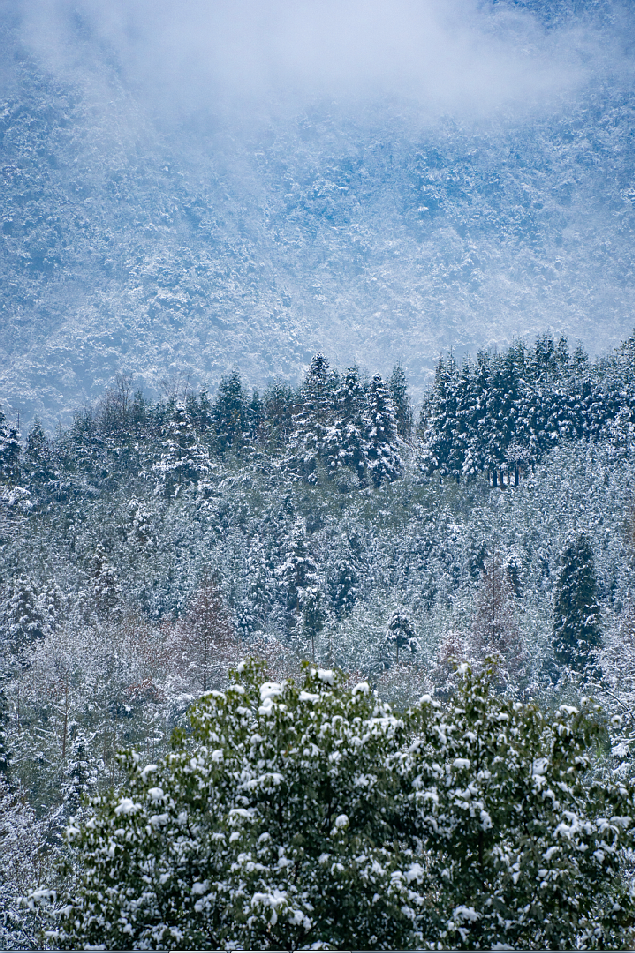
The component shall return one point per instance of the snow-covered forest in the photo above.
(151, 546)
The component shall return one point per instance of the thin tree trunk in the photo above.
(65, 720)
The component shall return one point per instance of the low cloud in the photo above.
(459, 57)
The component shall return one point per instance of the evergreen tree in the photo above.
(4, 734)
(10, 451)
(280, 410)
(576, 611)
(255, 416)
(103, 594)
(384, 462)
(343, 584)
(398, 390)
(38, 456)
(80, 773)
(298, 574)
(401, 635)
(184, 459)
(439, 424)
(310, 815)
(347, 441)
(315, 417)
(230, 413)
(24, 619)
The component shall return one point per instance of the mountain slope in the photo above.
(181, 242)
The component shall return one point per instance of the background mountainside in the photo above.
(169, 240)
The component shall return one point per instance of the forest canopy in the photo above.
(153, 545)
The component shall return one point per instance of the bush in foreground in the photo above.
(309, 815)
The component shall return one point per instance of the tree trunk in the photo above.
(65, 720)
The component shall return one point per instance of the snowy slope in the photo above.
(151, 229)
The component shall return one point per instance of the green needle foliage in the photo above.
(311, 815)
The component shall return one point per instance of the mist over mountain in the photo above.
(189, 188)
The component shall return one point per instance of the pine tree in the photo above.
(439, 424)
(347, 439)
(298, 574)
(316, 415)
(10, 451)
(38, 456)
(384, 461)
(342, 586)
(184, 458)
(401, 635)
(80, 773)
(4, 734)
(103, 594)
(230, 413)
(398, 390)
(280, 410)
(25, 622)
(576, 611)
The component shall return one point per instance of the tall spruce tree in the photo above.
(384, 462)
(398, 389)
(9, 452)
(576, 611)
(316, 414)
(230, 413)
(348, 437)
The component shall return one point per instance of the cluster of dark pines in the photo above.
(496, 416)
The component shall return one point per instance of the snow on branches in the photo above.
(311, 815)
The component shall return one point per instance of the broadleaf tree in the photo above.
(309, 815)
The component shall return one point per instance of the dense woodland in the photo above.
(152, 545)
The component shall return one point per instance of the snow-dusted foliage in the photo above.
(309, 815)
(153, 545)
(24, 867)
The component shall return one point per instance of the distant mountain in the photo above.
(180, 242)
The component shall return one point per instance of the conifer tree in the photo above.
(298, 574)
(401, 635)
(80, 773)
(576, 611)
(343, 584)
(25, 622)
(384, 462)
(439, 423)
(348, 437)
(184, 458)
(4, 734)
(316, 414)
(38, 456)
(10, 452)
(230, 413)
(398, 389)
(280, 409)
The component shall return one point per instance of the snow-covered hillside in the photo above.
(159, 226)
